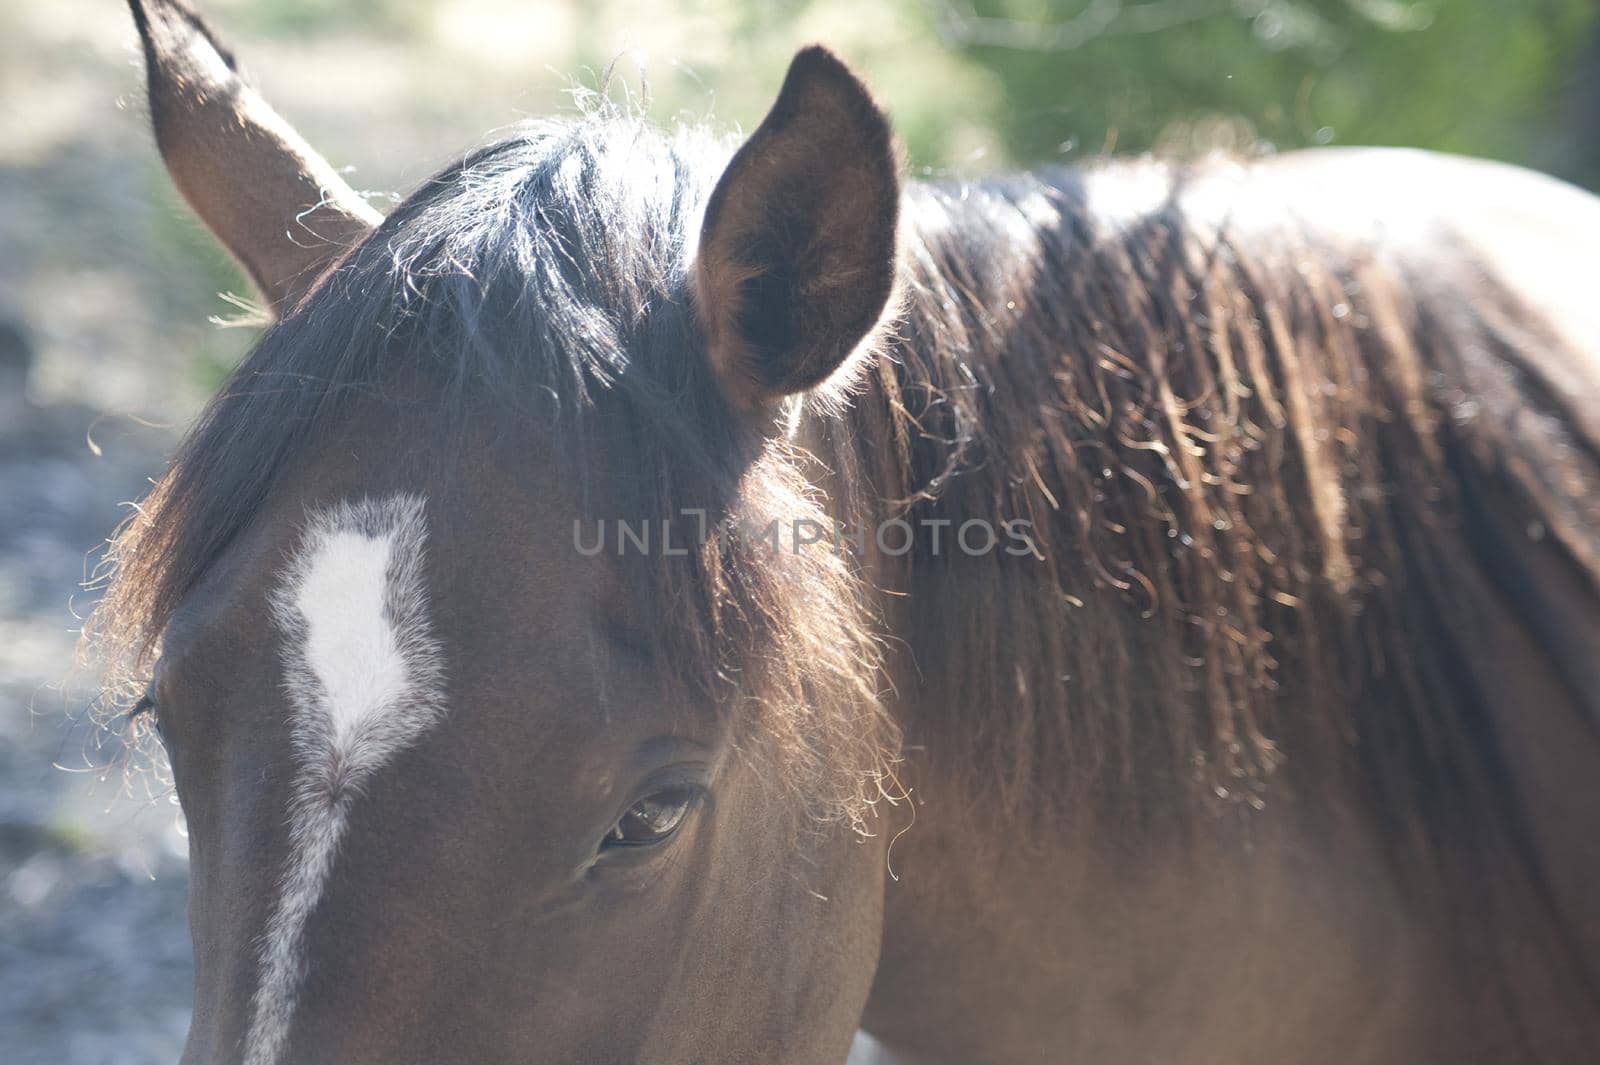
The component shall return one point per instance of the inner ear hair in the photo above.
(797, 252)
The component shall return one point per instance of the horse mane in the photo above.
(1257, 455)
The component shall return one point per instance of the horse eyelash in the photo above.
(143, 710)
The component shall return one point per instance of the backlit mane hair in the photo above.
(1274, 472)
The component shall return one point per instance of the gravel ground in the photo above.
(94, 955)
(104, 296)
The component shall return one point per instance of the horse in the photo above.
(647, 599)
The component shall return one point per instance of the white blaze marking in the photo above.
(364, 678)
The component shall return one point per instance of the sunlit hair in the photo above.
(1261, 460)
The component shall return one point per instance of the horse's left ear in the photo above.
(272, 201)
(797, 254)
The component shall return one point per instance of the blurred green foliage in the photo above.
(1067, 78)
(1483, 77)
(304, 17)
(975, 82)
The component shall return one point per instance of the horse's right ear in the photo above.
(278, 206)
(797, 253)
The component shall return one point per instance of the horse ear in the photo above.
(797, 253)
(270, 199)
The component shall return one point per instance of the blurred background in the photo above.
(115, 315)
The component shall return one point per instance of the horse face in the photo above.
(443, 805)
(450, 796)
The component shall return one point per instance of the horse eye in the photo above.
(651, 819)
(145, 714)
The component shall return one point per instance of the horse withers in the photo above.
(644, 601)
